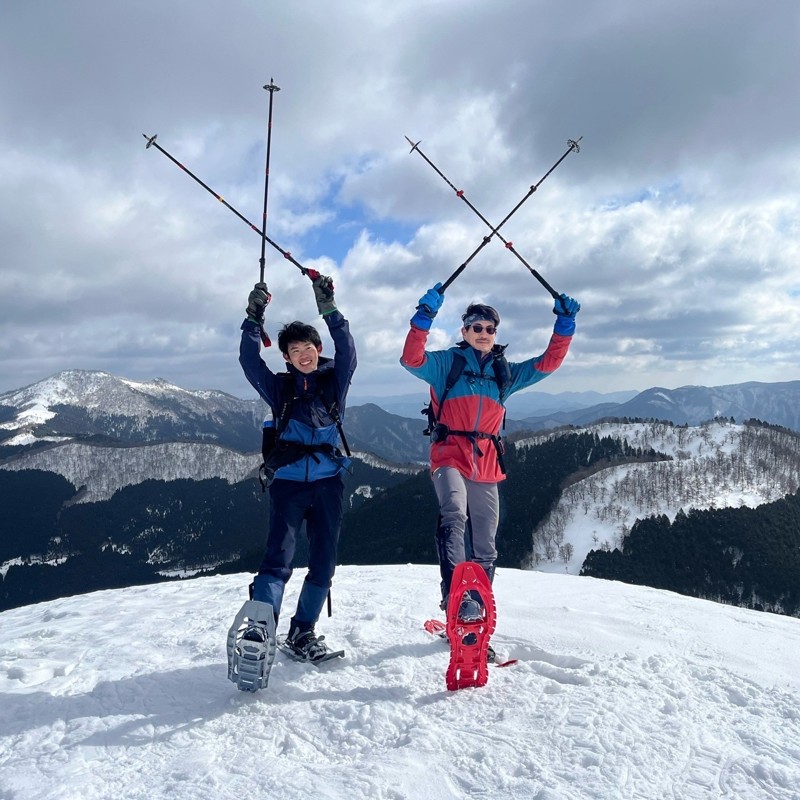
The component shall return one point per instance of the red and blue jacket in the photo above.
(474, 402)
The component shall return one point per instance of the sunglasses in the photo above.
(490, 329)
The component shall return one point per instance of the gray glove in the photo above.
(323, 293)
(257, 301)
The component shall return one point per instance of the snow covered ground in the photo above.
(621, 692)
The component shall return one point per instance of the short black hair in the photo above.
(480, 311)
(297, 332)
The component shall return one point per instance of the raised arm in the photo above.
(261, 378)
(415, 358)
(526, 373)
(344, 359)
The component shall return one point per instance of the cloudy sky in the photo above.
(676, 226)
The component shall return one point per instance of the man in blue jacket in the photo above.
(306, 464)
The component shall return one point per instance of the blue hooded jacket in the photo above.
(309, 421)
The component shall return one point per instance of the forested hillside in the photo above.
(717, 520)
(567, 493)
(713, 465)
(158, 530)
(399, 526)
(52, 545)
(742, 556)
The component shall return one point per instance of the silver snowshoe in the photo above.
(251, 646)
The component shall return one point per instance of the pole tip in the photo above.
(413, 144)
(151, 140)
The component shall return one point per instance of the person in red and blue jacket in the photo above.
(466, 452)
(306, 483)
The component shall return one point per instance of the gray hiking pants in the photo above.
(460, 498)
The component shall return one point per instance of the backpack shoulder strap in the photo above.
(326, 391)
(286, 400)
(502, 374)
(456, 369)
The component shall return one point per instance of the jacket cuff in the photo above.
(422, 320)
(565, 326)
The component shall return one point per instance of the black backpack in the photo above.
(277, 452)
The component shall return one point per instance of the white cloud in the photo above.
(676, 226)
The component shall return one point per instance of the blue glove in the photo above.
(429, 305)
(565, 309)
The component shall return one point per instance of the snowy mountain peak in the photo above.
(68, 387)
(92, 402)
(93, 389)
(157, 385)
(89, 389)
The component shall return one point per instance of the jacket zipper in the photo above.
(476, 426)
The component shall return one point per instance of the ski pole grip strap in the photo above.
(264, 337)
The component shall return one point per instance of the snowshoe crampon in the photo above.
(469, 638)
(251, 646)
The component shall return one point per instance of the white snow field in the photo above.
(620, 692)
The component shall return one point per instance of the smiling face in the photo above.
(480, 339)
(303, 356)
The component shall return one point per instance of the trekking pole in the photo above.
(573, 146)
(271, 88)
(151, 142)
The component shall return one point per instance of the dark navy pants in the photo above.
(319, 504)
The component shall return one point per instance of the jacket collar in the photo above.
(496, 352)
(309, 380)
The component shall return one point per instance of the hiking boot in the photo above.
(306, 645)
(491, 656)
(470, 609)
(255, 633)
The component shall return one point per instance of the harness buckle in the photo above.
(439, 432)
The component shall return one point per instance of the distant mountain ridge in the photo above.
(80, 405)
(99, 407)
(776, 403)
(528, 403)
(101, 471)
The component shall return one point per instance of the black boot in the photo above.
(304, 643)
(445, 568)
